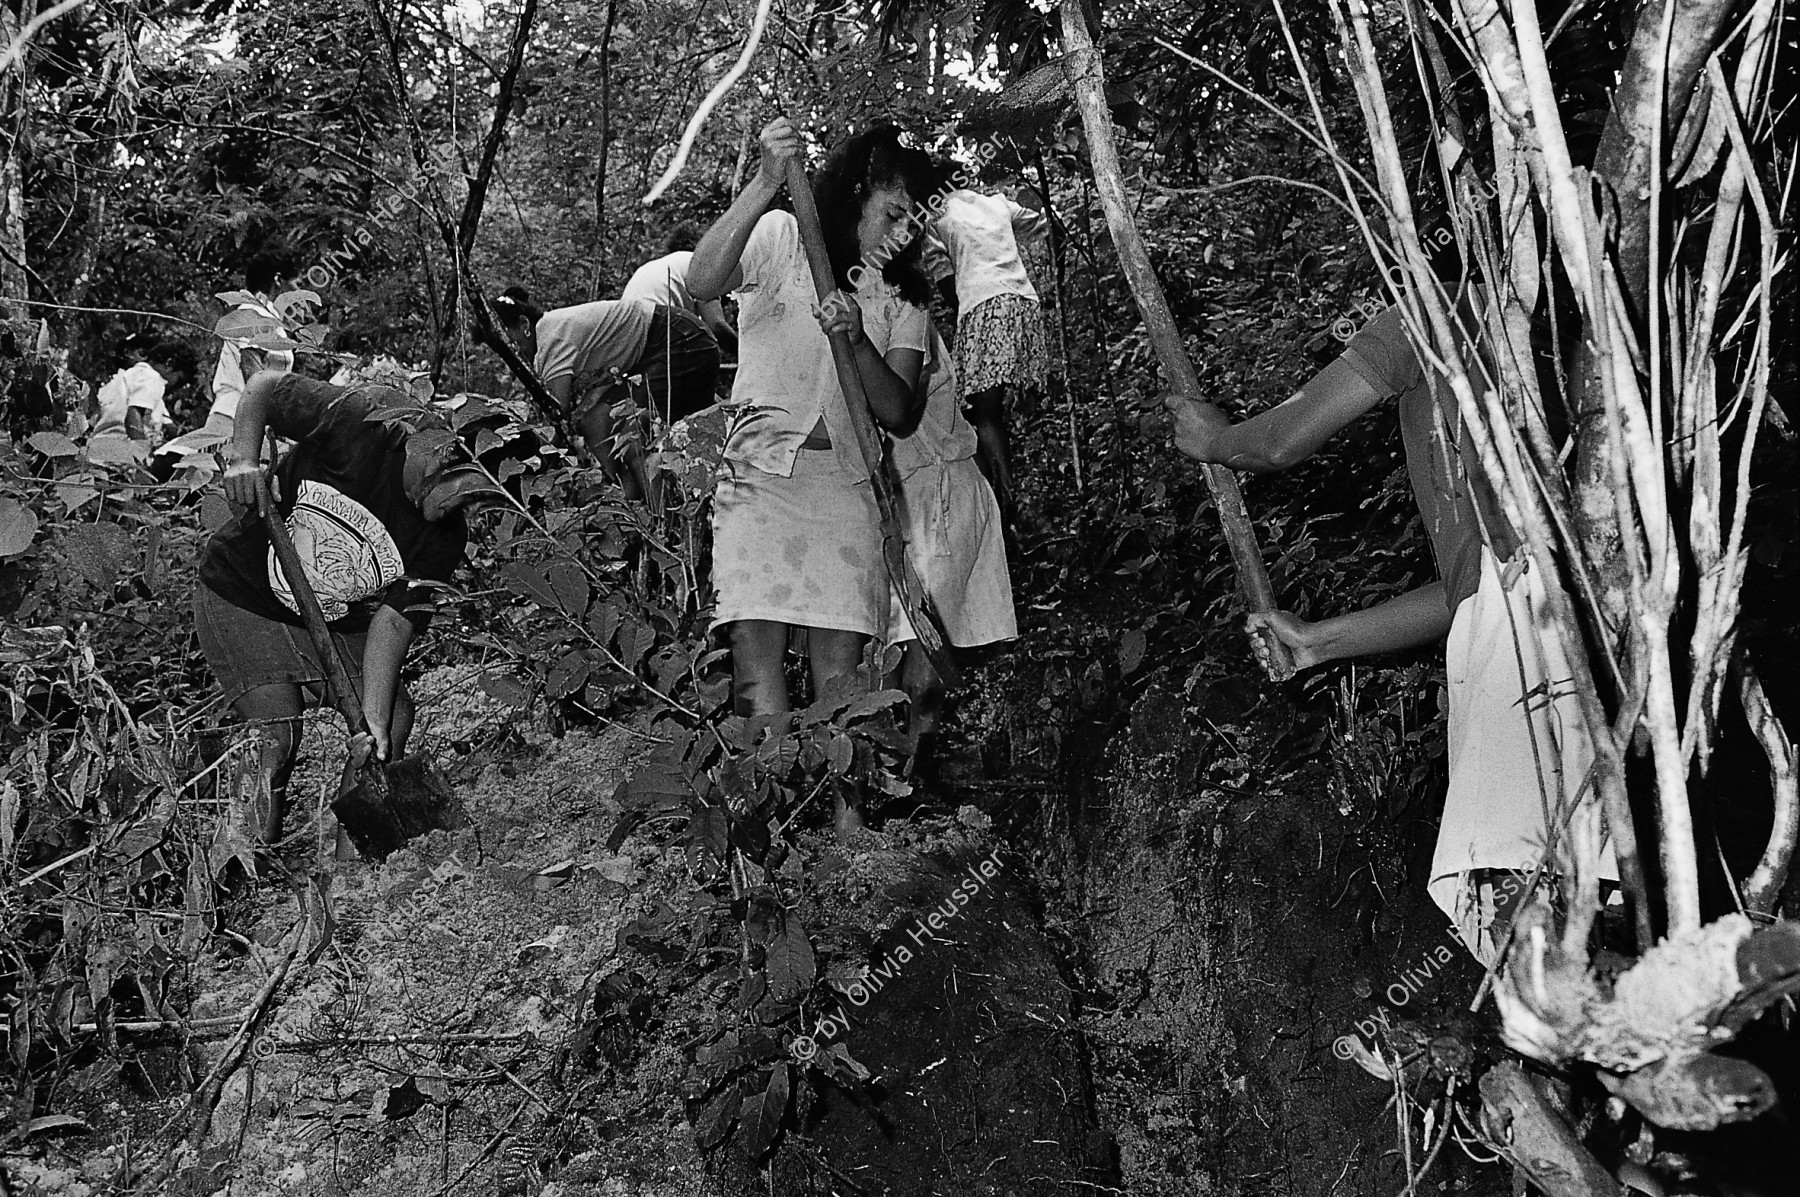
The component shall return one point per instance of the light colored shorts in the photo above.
(246, 651)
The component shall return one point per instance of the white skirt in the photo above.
(954, 542)
(804, 550)
(1519, 751)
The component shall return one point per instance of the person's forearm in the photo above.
(1283, 436)
(891, 400)
(252, 418)
(1250, 448)
(717, 255)
(560, 388)
(389, 635)
(1414, 618)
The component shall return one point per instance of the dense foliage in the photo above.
(161, 153)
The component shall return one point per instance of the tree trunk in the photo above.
(1088, 80)
(14, 282)
(1655, 88)
(600, 159)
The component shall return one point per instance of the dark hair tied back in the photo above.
(514, 306)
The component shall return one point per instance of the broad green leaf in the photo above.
(568, 675)
(706, 837)
(53, 444)
(869, 704)
(762, 1113)
(790, 963)
(635, 640)
(1131, 652)
(18, 527)
(529, 582)
(716, 1119)
(570, 586)
(247, 324)
(505, 687)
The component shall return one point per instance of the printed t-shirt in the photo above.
(1447, 495)
(943, 435)
(663, 281)
(138, 386)
(229, 375)
(590, 340)
(977, 239)
(786, 380)
(362, 541)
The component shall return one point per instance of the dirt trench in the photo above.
(433, 1042)
(1229, 926)
(1168, 931)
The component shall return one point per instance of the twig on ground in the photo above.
(499, 1137)
(200, 1105)
(441, 1040)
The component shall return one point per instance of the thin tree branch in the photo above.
(496, 134)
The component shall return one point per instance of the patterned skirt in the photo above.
(1000, 342)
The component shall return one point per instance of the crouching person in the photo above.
(374, 515)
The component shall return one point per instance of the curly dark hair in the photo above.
(854, 169)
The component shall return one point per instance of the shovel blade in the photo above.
(381, 807)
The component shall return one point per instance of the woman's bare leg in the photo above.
(925, 699)
(833, 654)
(758, 684)
(274, 712)
(987, 410)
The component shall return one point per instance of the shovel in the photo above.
(379, 806)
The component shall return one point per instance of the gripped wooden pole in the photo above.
(868, 439)
(1087, 78)
(337, 674)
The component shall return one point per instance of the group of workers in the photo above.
(797, 545)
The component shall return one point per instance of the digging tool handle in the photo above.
(337, 674)
(843, 355)
(1088, 80)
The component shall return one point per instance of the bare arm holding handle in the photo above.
(1417, 617)
(714, 269)
(1282, 437)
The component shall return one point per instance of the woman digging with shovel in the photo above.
(374, 511)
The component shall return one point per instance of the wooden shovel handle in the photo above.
(1087, 78)
(337, 674)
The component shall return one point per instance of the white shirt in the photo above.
(977, 237)
(943, 435)
(664, 281)
(139, 386)
(784, 358)
(228, 376)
